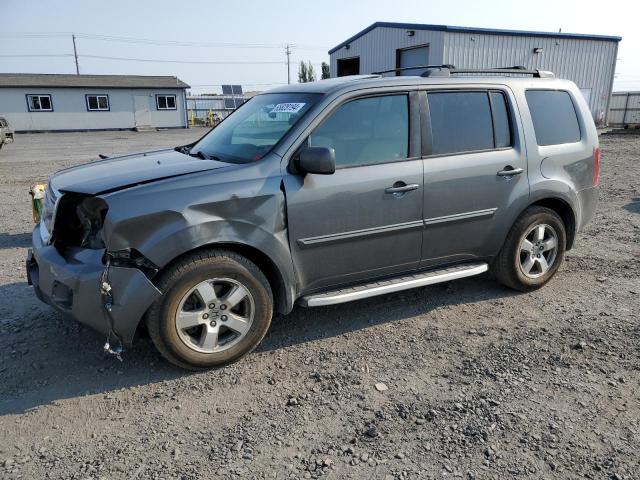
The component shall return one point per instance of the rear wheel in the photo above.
(533, 251)
(217, 307)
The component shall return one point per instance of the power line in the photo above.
(197, 62)
(34, 35)
(175, 43)
(149, 41)
(31, 55)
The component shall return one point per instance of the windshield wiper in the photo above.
(199, 154)
(202, 155)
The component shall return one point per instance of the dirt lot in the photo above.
(481, 382)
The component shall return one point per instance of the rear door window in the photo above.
(460, 122)
(554, 117)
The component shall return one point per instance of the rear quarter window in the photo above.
(554, 117)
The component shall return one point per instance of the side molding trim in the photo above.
(367, 232)
(461, 216)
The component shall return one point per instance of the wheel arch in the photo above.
(566, 213)
(283, 296)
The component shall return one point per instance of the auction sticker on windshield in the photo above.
(287, 108)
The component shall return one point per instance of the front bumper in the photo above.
(72, 286)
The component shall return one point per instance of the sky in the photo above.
(242, 41)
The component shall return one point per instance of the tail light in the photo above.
(596, 166)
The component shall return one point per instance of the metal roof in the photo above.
(88, 81)
(486, 31)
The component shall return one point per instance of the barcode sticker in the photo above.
(287, 108)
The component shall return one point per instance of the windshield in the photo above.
(254, 129)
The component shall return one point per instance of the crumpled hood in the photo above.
(122, 172)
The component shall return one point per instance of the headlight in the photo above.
(51, 199)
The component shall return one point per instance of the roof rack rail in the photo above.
(400, 69)
(444, 71)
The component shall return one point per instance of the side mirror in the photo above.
(320, 160)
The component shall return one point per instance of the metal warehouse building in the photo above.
(587, 60)
(50, 102)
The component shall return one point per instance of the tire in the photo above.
(516, 257)
(195, 292)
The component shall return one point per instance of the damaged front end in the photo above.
(78, 222)
(72, 270)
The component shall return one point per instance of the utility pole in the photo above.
(75, 54)
(287, 50)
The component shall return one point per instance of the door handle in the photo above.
(401, 188)
(509, 171)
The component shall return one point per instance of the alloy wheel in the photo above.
(538, 250)
(214, 315)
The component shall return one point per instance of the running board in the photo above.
(393, 285)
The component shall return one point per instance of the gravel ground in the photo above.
(460, 380)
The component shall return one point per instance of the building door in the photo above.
(142, 112)
(412, 57)
(348, 66)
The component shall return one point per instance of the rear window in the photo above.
(468, 121)
(554, 117)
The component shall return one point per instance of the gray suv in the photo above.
(317, 194)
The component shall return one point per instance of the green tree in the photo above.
(306, 73)
(326, 72)
(302, 73)
(311, 73)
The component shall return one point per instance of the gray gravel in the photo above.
(481, 382)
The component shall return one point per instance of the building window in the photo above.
(166, 102)
(39, 103)
(97, 103)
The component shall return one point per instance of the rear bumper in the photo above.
(588, 199)
(72, 286)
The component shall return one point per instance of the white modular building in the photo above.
(55, 102)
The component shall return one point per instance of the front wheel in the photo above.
(216, 307)
(533, 251)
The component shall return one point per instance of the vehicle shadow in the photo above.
(15, 240)
(633, 206)
(46, 358)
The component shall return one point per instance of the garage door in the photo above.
(413, 57)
